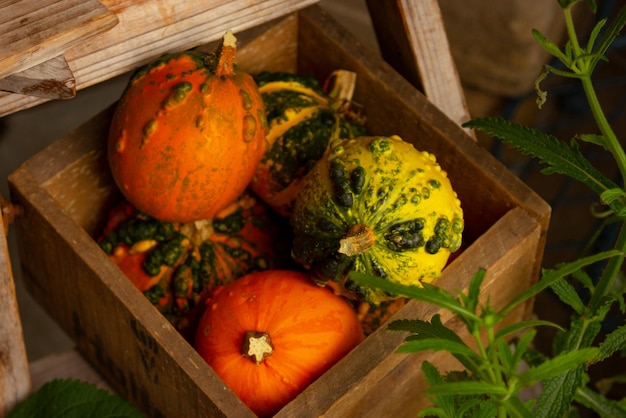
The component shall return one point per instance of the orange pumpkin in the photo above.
(269, 334)
(187, 135)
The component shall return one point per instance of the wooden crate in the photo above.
(66, 190)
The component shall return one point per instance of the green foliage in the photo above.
(492, 380)
(71, 398)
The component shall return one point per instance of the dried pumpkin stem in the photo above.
(226, 56)
(257, 346)
(359, 239)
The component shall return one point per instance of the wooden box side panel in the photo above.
(112, 324)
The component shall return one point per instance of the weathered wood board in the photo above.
(147, 29)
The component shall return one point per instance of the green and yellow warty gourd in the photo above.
(379, 206)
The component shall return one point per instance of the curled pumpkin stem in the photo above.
(359, 239)
(257, 346)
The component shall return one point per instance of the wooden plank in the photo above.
(14, 374)
(35, 31)
(412, 38)
(51, 79)
(148, 29)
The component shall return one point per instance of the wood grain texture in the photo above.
(65, 190)
(412, 38)
(148, 29)
(51, 79)
(14, 377)
(35, 31)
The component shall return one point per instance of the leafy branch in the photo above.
(493, 380)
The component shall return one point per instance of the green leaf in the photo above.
(518, 326)
(557, 394)
(556, 366)
(550, 46)
(614, 342)
(612, 31)
(425, 329)
(473, 292)
(428, 293)
(521, 347)
(557, 155)
(605, 408)
(467, 388)
(593, 139)
(568, 295)
(612, 195)
(550, 276)
(433, 377)
(73, 399)
(505, 355)
(436, 344)
(594, 35)
(516, 408)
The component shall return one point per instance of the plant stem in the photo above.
(612, 143)
(611, 271)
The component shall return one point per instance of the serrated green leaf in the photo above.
(425, 329)
(557, 394)
(71, 398)
(428, 293)
(557, 155)
(568, 295)
(558, 365)
(436, 344)
(445, 404)
(604, 407)
(614, 342)
(550, 276)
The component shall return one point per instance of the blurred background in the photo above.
(498, 61)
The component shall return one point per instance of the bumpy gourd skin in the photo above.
(186, 135)
(376, 205)
(302, 119)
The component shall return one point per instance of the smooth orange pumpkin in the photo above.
(187, 135)
(269, 334)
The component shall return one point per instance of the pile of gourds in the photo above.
(250, 199)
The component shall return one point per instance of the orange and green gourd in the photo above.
(187, 134)
(302, 118)
(378, 206)
(176, 265)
